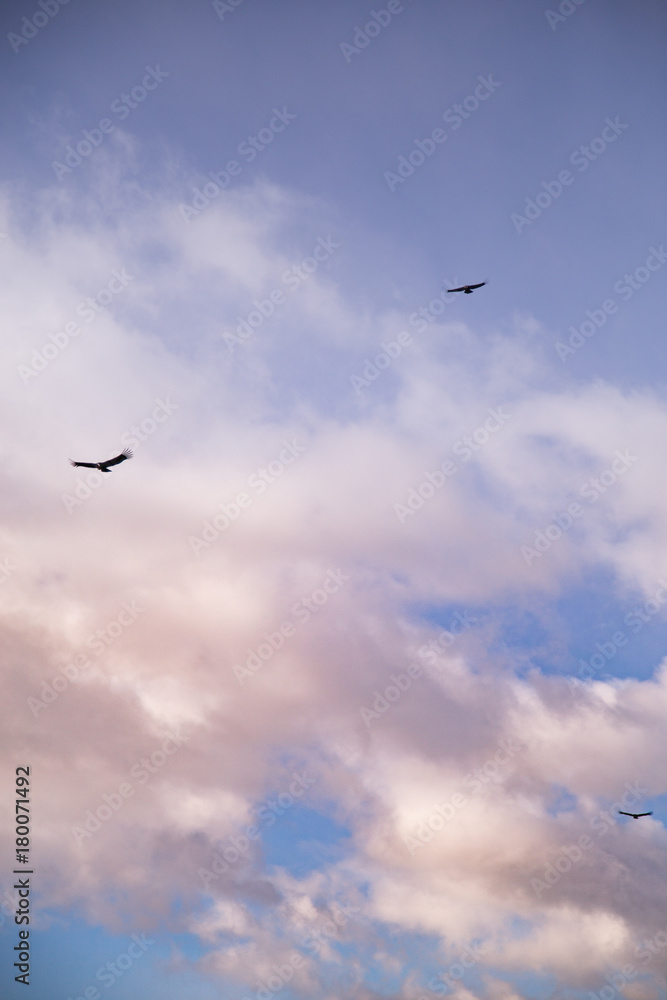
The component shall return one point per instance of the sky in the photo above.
(336, 689)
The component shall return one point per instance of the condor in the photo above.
(104, 466)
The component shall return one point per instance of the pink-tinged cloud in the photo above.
(161, 689)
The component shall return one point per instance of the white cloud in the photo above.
(331, 510)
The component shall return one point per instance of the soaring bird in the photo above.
(634, 815)
(466, 288)
(104, 466)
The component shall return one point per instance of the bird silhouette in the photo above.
(466, 288)
(634, 815)
(104, 466)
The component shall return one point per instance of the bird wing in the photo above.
(643, 814)
(461, 289)
(119, 458)
(85, 465)
(477, 286)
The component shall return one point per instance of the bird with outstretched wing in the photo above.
(634, 815)
(104, 466)
(466, 288)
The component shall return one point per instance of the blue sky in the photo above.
(336, 464)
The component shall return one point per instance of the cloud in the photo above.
(170, 669)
